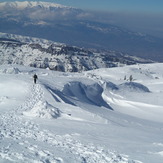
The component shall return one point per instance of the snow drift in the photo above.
(133, 87)
(91, 94)
(43, 110)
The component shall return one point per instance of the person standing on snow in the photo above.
(35, 78)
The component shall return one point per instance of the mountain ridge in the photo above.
(57, 56)
(30, 4)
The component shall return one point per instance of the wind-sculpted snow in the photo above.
(89, 117)
(127, 87)
(133, 87)
(23, 136)
(43, 110)
(91, 94)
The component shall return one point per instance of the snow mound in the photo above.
(86, 93)
(10, 70)
(133, 87)
(3, 99)
(43, 110)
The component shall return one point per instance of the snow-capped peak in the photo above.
(30, 4)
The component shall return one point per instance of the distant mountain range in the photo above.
(41, 53)
(74, 27)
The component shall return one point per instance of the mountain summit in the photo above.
(29, 4)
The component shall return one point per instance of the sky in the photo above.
(145, 6)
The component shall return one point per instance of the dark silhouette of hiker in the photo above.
(35, 78)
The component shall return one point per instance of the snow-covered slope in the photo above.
(29, 4)
(89, 117)
(56, 56)
(35, 12)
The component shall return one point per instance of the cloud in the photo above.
(55, 14)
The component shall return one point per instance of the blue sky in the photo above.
(144, 6)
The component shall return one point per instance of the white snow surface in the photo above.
(30, 4)
(89, 117)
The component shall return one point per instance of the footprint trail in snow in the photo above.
(22, 140)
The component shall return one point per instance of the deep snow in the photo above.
(88, 117)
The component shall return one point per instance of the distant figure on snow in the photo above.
(35, 78)
(131, 78)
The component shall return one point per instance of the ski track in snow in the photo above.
(20, 139)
